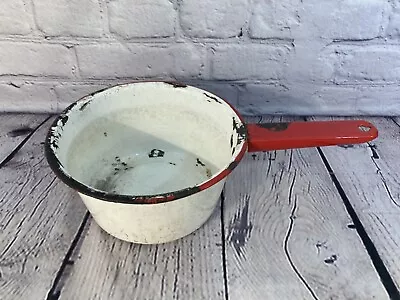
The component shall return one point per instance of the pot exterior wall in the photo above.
(155, 223)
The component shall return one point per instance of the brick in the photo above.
(256, 99)
(27, 97)
(311, 63)
(118, 61)
(15, 17)
(144, 18)
(68, 93)
(393, 29)
(356, 100)
(188, 60)
(343, 20)
(217, 19)
(69, 17)
(237, 62)
(274, 18)
(36, 59)
(365, 64)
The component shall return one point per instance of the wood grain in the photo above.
(14, 128)
(289, 235)
(107, 268)
(369, 175)
(39, 217)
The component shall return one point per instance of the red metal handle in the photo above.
(278, 136)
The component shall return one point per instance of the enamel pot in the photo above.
(149, 159)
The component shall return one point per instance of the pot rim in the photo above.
(57, 167)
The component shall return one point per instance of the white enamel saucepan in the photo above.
(149, 159)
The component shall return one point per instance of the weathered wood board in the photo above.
(369, 174)
(289, 235)
(39, 217)
(283, 230)
(14, 128)
(107, 268)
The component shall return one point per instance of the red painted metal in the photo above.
(279, 136)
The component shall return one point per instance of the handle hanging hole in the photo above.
(364, 128)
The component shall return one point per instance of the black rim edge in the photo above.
(57, 167)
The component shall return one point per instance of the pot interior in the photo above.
(147, 138)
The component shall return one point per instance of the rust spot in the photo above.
(19, 131)
(84, 105)
(200, 162)
(64, 119)
(213, 98)
(156, 153)
(98, 91)
(105, 185)
(186, 192)
(176, 84)
(54, 144)
(274, 126)
(208, 173)
(240, 130)
(232, 165)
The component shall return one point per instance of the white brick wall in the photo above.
(15, 17)
(36, 59)
(250, 62)
(154, 18)
(69, 17)
(264, 56)
(215, 19)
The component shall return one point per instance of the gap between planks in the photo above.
(221, 293)
(107, 268)
(15, 130)
(289, 235)
(369, 176)
(189, 268)
(39, 215)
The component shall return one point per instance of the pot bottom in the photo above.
(156, 171)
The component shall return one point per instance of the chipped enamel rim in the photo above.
(80, 187)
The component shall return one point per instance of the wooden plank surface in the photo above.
(39, 217)
(14, 128)
(369, 175)
(289, 235)
(107, 268)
